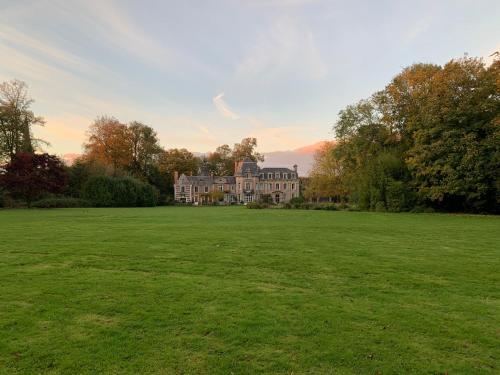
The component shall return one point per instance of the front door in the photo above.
(277, 198)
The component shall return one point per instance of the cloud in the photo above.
(287, 49)
(223, 107)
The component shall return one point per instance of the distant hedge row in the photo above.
(104, 191)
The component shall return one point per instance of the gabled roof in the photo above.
(247, 165)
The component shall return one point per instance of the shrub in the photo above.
(328, 206)
(61, 202)
(398, 196)
(420, 209)
(3, 194)
(148, 196)
(105, 191)
(257, 205)
(380, 206)
(266, 199)
(99, 190)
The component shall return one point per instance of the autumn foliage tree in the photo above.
(30, 176)
(325, 178)
(431, 137)
(134, 147)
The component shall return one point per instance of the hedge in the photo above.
(104, 191)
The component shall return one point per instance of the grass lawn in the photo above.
(230, 290)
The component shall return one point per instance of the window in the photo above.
(248, 175)
(221, 187)
(270, 186)
(277, 175)
(277, 186)
(239, 186)
(293, 186)
(285, 176)
(196, 189)
(293, 175)
(248, 198)
(284, 186)
(262, 175)
(247, 186)
(206, 189)
(269, 175)
(182, 189)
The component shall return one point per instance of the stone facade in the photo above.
(249, 184)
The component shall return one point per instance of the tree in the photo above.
(109, 143)
(30, 176)
(246, 149)
(16, 120)
(178, 160)
(325, 177)
(145, 148)
(221, 162)
(453, 157)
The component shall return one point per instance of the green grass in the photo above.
(230, 290)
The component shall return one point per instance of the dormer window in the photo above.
(248, 175)
(277, 175)
(285, 176)
(269, 175)
(262, 175)
(293, 175)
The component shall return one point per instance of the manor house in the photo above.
(249, 184)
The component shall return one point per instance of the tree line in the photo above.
(122, 164)
(430, 139)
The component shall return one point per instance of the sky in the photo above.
(205, 73)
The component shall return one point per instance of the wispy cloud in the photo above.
(287, 49)
(223, 107)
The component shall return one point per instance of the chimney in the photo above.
(176, 177)
(295, 169)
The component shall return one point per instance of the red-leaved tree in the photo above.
(29, 176)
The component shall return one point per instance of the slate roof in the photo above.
(276, 170)
(208, 180)
(266, 171)
(200, 180)
(247, 166)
